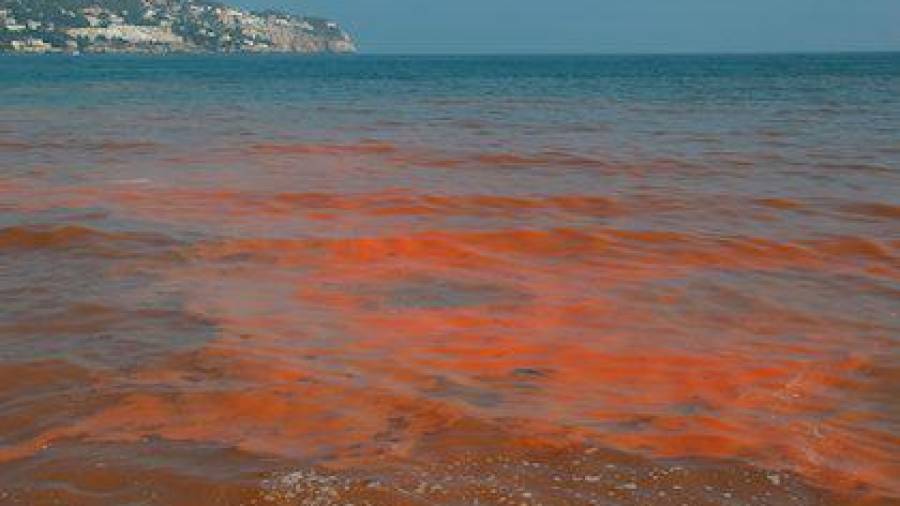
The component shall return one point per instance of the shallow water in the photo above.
(398, 280)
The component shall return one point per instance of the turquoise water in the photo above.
(247, 264)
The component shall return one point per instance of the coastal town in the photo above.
(161, 26)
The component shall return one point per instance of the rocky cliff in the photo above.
(161, 26)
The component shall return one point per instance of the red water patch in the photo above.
(875, 210)
(49, 237)
(545, 158)
(101, 146)
(379, 325)
(480, 160)
(39, 400)
(419, 314)
(780, 203)
(382, 151)
(76, 238)
(634, 251)
(369, 147)
(6, 145)
(225, 206)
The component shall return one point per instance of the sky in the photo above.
(609, 26)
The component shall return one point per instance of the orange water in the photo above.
(336, 327)
(399, 322)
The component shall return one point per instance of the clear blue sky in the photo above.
(604, 26)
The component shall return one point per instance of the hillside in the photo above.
(160, 26)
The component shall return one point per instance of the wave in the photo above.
(78, 145)
(420, 157)
(378, 399)
(780, 203)
(184, 205)
(659, 249)
(404, 203)
(560, 466)
(365, 147)
(874, 210)
(357, 348)
(77, 238)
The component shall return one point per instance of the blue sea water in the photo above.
(319, 260)
(640, 102)
(781, 111)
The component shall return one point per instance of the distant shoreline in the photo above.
(367, 54)
(162, 27)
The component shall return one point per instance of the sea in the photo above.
(447, 280)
